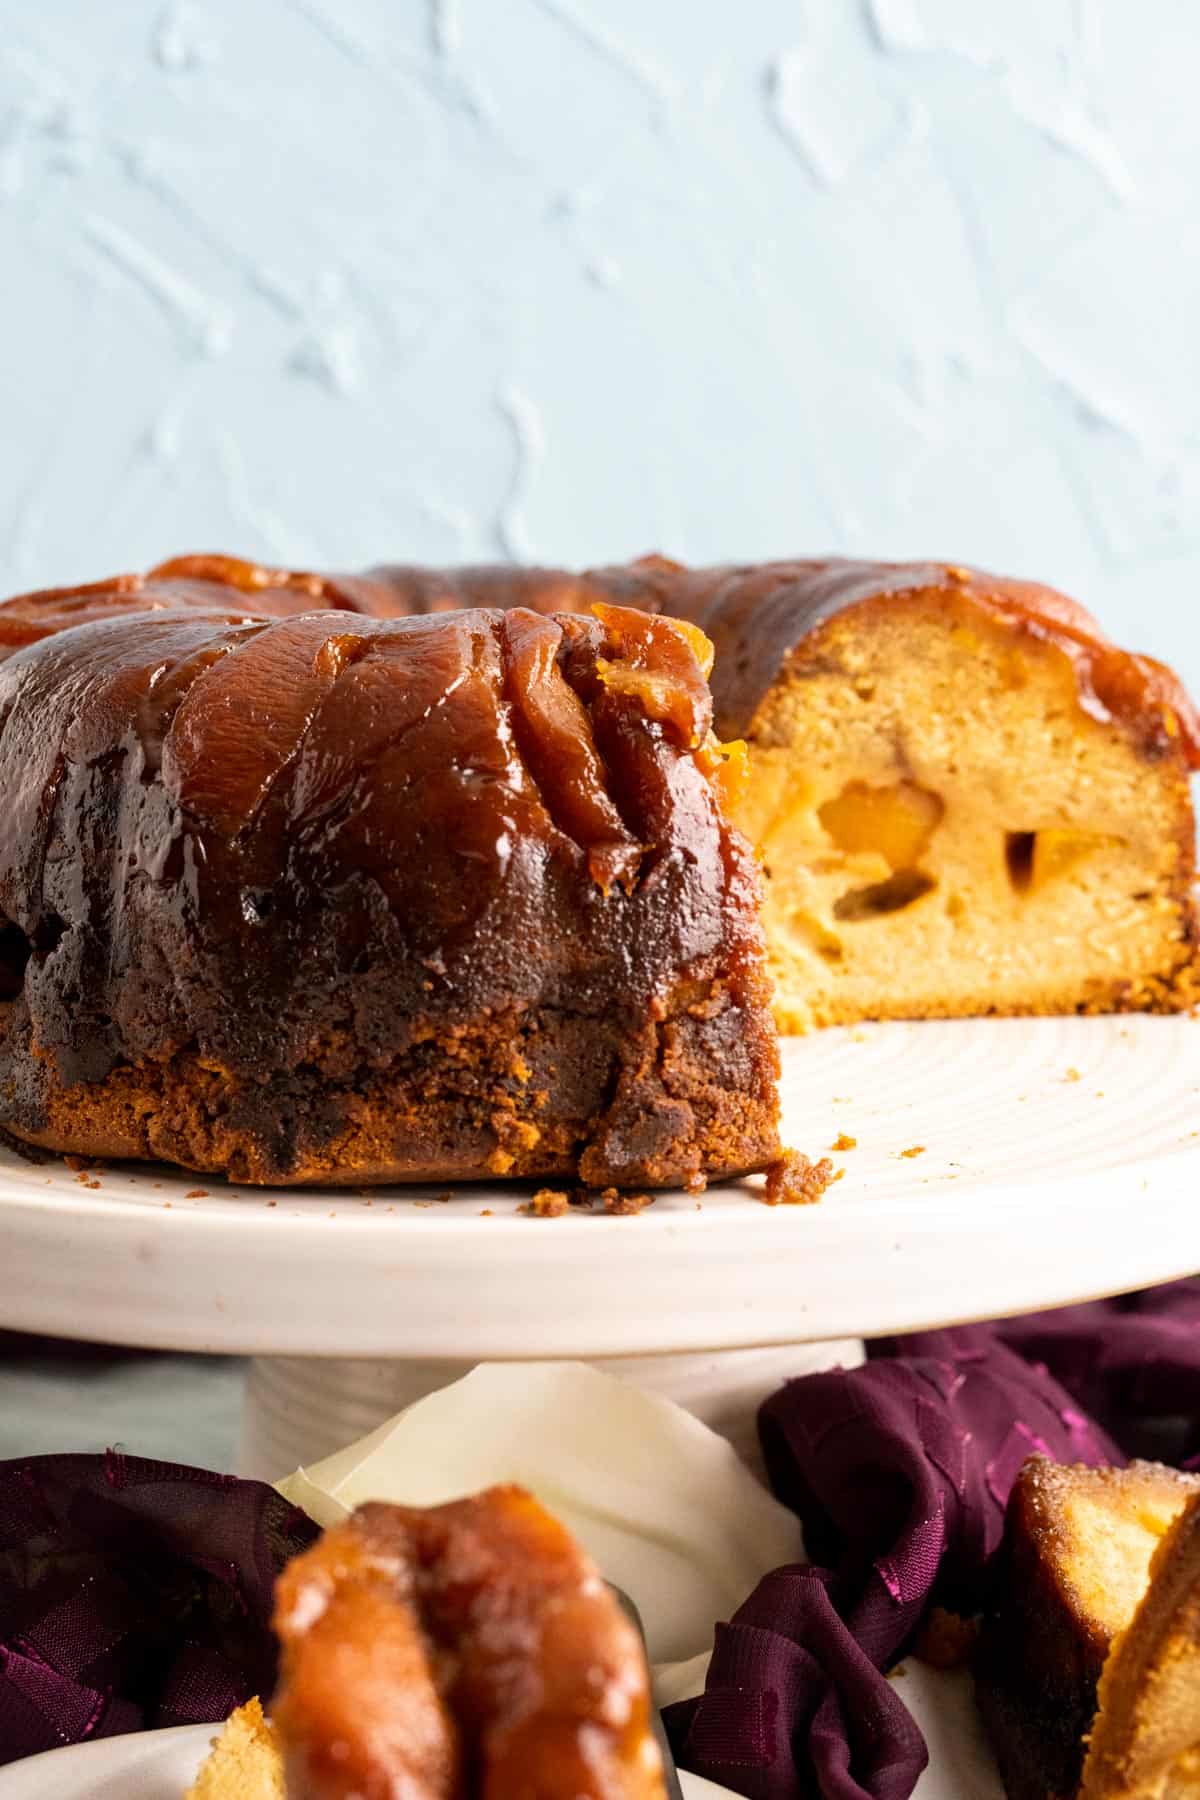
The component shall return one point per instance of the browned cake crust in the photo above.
(345, 898)
(1074, 1564)
(459, 1650)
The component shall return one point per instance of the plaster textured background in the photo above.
(329, 281)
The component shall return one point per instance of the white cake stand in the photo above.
(999, 1165)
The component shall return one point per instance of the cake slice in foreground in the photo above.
(459, 1650)
(244, 1762)
(1095, 1637)
(447, 1653)
(1145, 1743)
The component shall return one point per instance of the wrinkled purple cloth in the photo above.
(133, 1594)
(900, 1472)
(137, 1593)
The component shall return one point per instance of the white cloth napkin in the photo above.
(662, 1503)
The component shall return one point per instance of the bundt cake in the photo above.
(1093, 1648)
(967, 799)
(380, 894)
(467, 1649)
(299, 892)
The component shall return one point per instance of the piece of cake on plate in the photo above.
(244, 1763)
(448, 1653)
(1088, 1671)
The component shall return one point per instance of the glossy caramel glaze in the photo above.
(458, 1651)
(757, 614)
(465, 880)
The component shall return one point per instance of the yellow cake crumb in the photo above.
(617, 1202)
(244, 1762)
(548, 1203)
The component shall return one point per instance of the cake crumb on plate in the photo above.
(617, 1203)
(795, 1180)
(548, 1203)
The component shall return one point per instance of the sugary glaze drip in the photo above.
(455, 1651)
(398, 823)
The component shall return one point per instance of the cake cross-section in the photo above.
(968, 800)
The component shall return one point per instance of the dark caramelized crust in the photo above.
(468, 1649)
(342, 897)
(757, 614)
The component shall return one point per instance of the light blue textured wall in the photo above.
(329, 281)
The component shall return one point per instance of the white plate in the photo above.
(1059, 1160)
(159, 1765)
(152, 1765)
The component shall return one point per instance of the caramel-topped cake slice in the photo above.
(450, 1652)
(1098, 1601)
(457, 1651)
(244, 1762)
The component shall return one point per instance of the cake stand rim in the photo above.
(1052, 1203)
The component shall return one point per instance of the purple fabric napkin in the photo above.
(900, 1472)
(133, 1594)
(136, 1593)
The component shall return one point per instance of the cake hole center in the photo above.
(48, 934)
(1019, 847)
(15, 952)
(806, 927)
(882, 897)
(894, 822)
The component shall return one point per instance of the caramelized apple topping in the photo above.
(232, 571)
(896, 822)
(555, 737)
(663, 664)
(727, 767)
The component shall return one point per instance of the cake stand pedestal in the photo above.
(299, 1409)
(995, 1166)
